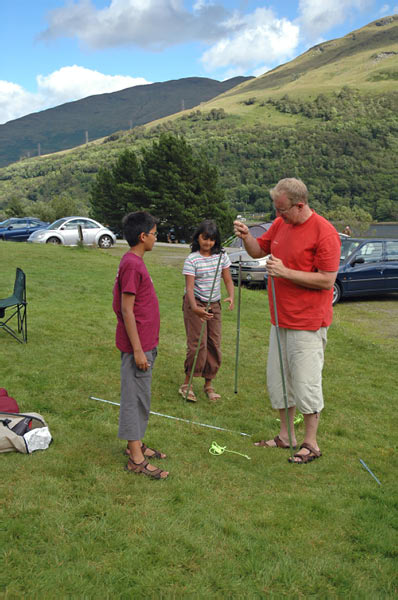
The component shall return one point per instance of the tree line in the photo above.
(344, 146)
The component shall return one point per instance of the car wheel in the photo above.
(336, 293)
(105, 241)
(53, 240)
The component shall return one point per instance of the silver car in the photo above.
(252, 269)
(67, 231)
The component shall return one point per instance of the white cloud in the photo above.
(72, 83)
(255, 39)
(15, 101)
(316, 17)
(385, 9)
(153, 24)
(65, 85)
(238, 42)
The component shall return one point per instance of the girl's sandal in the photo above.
(211, 394)
(142, 468)
(183, 392)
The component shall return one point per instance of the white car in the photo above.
(253, 270)
(67, 231)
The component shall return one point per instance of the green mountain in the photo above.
(366, 59)
(330, 117)
(66, 126)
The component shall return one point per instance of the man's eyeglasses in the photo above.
(153, 233)
(282, 211)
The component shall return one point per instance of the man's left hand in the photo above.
(276, 268)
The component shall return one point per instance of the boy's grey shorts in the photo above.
(135, 396)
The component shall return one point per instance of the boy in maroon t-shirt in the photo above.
(137, 335)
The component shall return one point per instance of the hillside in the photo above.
(366, 59)
(341, 139)
(100, 115)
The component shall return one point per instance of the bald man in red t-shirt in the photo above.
(305, 255)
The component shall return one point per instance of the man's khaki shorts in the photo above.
(303, 356)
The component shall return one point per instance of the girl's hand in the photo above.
(203, 315)
(230, 299)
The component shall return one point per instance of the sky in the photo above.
(57, 51)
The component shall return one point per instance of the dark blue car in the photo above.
(19, 229)
(367, 267)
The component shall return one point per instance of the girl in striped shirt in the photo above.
(199, 269)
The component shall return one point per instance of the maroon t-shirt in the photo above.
(133, 278)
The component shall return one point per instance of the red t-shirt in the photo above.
(133, 278)
(312, 246)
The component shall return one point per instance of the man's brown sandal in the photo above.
(305, 458)
(211, 394)
(142, 468)
(144, 448)
(183, 392)
(278, 444)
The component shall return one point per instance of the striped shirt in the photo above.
(203, 268)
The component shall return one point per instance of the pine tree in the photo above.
(119, 190)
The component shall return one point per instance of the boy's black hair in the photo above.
(210, 231)
(136, 223)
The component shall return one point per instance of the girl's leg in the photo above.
(193, 326)
(213, 357)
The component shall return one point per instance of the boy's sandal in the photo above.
(183, 392)
(144, 448)
(305, 458)
(142, 468)
(211, 394)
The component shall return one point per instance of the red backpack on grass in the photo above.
(7, 404)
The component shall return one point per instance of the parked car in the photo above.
(367, 267)
(19, 229)
(253, 270)
(66, 231)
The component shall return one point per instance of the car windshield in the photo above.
(347, 247)
(56, 224)
(6, 223)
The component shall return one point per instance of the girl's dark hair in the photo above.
(209, 230)
(136, 223)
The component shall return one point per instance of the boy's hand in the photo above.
(203, 315)
(141, 360)
(231, 302)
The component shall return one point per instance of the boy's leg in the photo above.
(135, 402)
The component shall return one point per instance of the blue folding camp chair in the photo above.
(15, 306)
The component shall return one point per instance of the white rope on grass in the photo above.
(176, 418)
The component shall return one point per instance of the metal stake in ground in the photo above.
(238, 311)
(203, 326)
(281, 365)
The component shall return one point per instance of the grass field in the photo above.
(75, 525)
